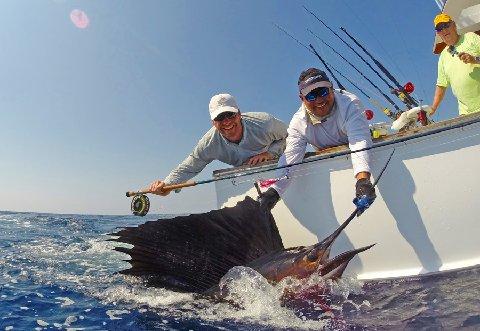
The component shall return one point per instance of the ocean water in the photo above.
(58, 272)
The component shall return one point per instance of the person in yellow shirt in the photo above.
(458, 66)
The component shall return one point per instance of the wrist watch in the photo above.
(477, 59)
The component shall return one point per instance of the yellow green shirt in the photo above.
(463, 78)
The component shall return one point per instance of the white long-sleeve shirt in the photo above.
(261, 133)
(346, 124)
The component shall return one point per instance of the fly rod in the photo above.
(170, 187)
(357, 70)
(141, 204)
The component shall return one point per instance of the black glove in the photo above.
(268, 199)
(365, 195)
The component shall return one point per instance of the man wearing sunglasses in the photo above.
(458, 66)
(235, 139)
(326, 118)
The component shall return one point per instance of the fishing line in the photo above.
(306, 171)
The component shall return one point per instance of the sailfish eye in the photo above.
(312, 256)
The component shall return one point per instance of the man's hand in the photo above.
(259, 158)
(467, 58)
(365, 195)
(157, 188)
(268, 199)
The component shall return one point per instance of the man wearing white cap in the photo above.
(326, 118)
(234, 139)
(458, 66)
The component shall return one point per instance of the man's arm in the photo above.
(437, 98)
(473, 57)
(469, 58)
(277, 132)
(359, 138)
(294, 153)
(186, 170)
(189, 168)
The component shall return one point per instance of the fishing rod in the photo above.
(402, 91)
(363, 203)
(385, 110)
(141, 204)
(340, 86)
(330, 71)
(348, 45)
(312, 50)
(357, 70)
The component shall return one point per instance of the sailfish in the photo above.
(192, 253)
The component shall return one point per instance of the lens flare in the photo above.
(79, 18)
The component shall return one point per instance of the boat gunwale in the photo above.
(332, 152)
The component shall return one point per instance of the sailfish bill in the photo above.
(302, 262)
(192, 253)
(334, 268)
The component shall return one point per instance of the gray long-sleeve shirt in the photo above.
(261, 133)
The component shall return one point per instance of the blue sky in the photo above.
(87, 114)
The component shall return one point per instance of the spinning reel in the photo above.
(140, 205)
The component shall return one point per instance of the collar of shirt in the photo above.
(314, 119)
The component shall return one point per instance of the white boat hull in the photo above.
(425, 218)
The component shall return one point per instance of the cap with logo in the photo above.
(312, 83)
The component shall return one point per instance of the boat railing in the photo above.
(334, 151)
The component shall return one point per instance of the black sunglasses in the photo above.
(442, 26)
(318, 92)
(225, 115)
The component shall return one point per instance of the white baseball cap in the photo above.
(222, 103)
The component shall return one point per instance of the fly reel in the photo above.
(140, 205)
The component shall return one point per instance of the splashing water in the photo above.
(57, 271)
